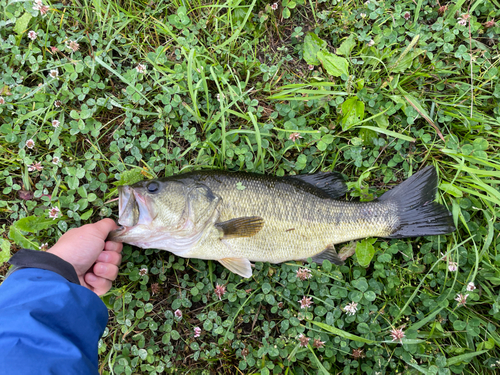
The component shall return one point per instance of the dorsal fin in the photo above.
(330, 254)
(330, 183)
(247, 226)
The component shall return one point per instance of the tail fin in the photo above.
(419, 215)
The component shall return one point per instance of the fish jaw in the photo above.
(134, 208)
(135, 215)
(127, 207)
(147, 211)
(148, 237)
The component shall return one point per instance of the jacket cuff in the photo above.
(25, 258)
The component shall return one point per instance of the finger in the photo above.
(113, 246)
(98, 284)
(103, 227)
(110, 257)
(106, 270)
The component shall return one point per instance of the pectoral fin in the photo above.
(240, 227)
(330, 254)
(239, 266)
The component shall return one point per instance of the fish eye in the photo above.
(153, 187)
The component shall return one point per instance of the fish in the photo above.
(237, 218)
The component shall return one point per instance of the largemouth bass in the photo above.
(238, 218)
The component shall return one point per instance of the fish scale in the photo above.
(301, 221)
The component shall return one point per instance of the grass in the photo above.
(373, 90)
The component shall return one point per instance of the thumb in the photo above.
(103, 227)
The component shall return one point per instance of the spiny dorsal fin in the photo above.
(241, 227)
(239, 266)
(330, 254)
(330, 183)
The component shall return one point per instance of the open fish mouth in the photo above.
(128, 209)
(134, 208)
(134, 211)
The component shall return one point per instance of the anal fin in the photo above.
(330, 254)
(239, 266)
(241, 227)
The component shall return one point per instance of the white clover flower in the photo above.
(317, 343)
(294, 136)
(351, 308)
(303, 340)
(32, 35)
(54, 213)
(397, 335)
(471, 286)
(197, 331)
(461, 299)
(452, 266)
(38, 4)
(305, 302)
(463, 19)
(304, 273)
(141, 68)
(220, 290)
(44, 9)
(37, 166)
(72, 45)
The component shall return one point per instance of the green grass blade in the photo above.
(463, 358)
(387, 132)
(322, 368)
(342, 333)
(192, 92)
(236, 34)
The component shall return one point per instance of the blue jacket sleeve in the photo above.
(48, 325)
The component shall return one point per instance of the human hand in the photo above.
(84, 246)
